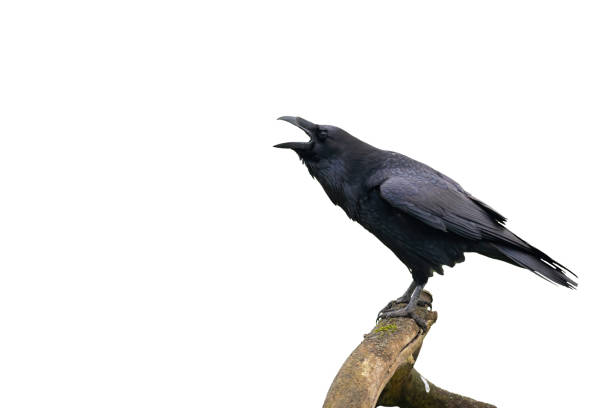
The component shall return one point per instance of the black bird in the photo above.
(427, 219)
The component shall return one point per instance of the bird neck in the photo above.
(335, 178)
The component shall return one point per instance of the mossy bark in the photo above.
(379, 372)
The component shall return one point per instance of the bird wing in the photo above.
(446, 207)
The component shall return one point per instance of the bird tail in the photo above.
(536, 261)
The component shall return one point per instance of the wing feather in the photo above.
(446, 207)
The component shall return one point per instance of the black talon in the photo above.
(389, 307)
(424, 303)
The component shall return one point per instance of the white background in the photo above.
(156, 251)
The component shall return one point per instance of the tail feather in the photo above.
(539, 263)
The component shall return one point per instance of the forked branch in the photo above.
(379, 372)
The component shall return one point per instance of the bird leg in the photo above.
(408, 310)
(405, 298)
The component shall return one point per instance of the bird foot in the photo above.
(391, 305)
(406, 311)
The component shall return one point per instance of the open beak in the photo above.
(308, 127)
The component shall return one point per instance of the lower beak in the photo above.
(292, 145)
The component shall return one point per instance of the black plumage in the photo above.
(427, 219)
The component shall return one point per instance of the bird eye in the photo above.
(322, 134)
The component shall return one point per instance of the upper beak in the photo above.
(308, 127)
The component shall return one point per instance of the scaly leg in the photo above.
(409, 310)
(405, 298)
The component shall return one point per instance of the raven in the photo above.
(427, 219)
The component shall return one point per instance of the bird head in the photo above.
(333, 157)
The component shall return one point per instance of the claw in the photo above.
(403, 312)
(389, 306)
(394, 303)
(424, 303)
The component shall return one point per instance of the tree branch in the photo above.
(379, 372)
